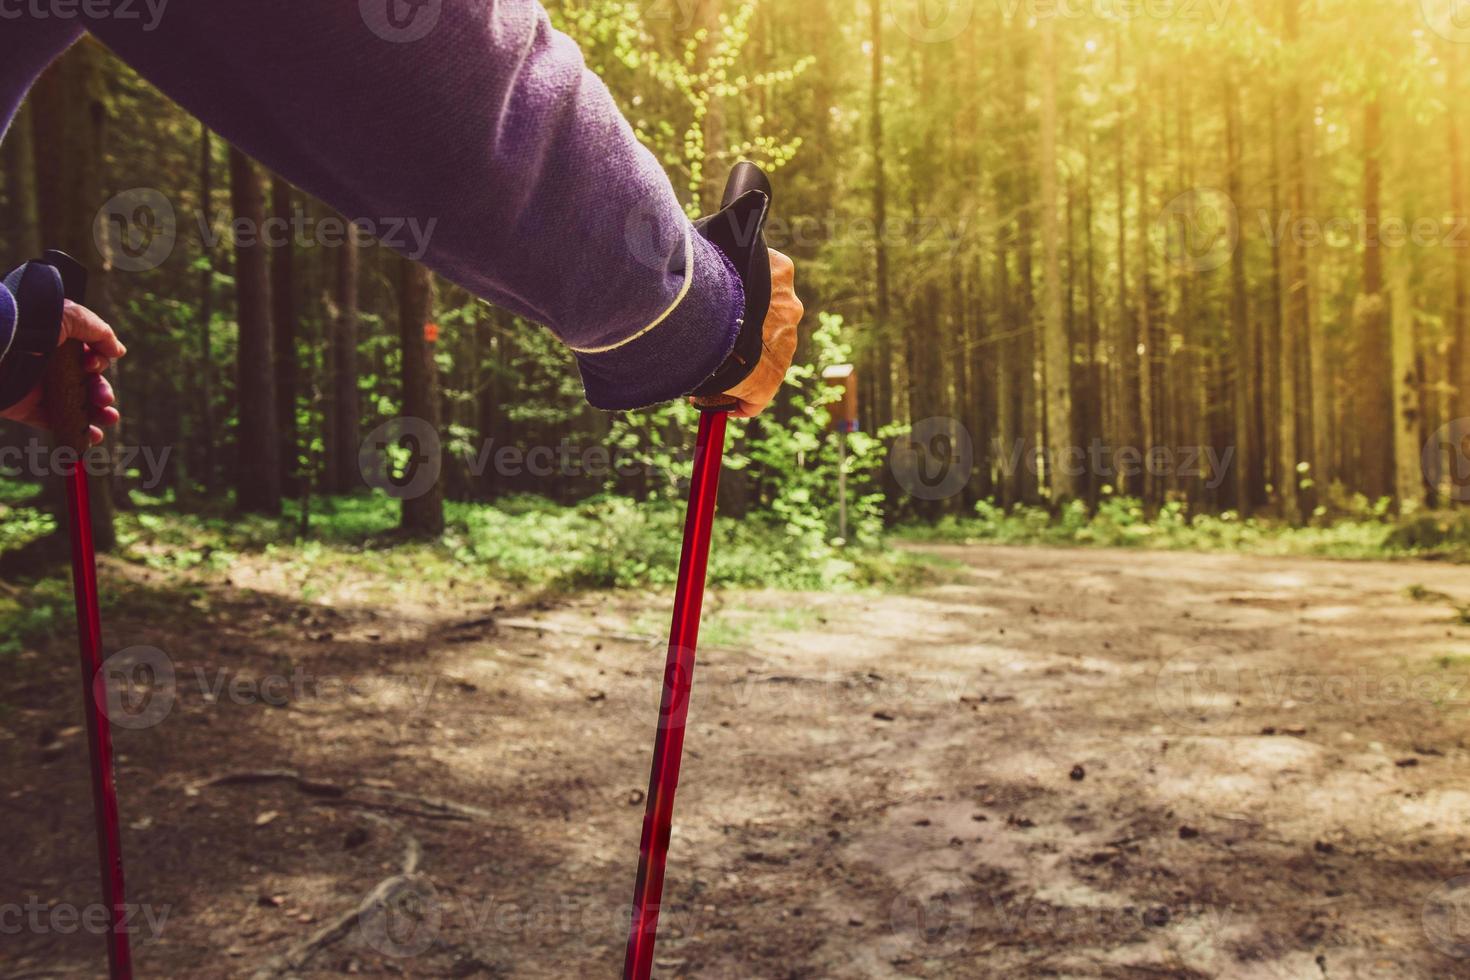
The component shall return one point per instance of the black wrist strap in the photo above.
(738, 230)
(39, 300)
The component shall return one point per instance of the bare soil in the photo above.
(1060, 764)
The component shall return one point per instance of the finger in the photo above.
(96, 363)
(100, 393)
(104, 416)
(783, 270)
(80, 323)
(785, 341)
(94, 435)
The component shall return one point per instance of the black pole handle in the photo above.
(748, 236)
(744, 177)
(73, 274)
(64, 386)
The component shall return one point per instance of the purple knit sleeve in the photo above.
(468, 134)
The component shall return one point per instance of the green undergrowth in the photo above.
(603, 542)
(1123, 522)
(521, 543)
(23, 519)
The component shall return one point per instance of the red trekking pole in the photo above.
(746, 246)
(65, 394)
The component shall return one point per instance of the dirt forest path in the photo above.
(1062, 763)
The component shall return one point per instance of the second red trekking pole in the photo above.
(65, 394)
(737, 230)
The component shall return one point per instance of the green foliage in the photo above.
(795, 461)
(1432, 533)
(790, 461)
(39, 610)
(613, 542)
(606, 541)
(1124, 522)
(22, 520)
(680, 90)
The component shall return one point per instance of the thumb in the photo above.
(80, 323)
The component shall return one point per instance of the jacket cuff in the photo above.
(673, 357)
(31, 303)
(7, 321)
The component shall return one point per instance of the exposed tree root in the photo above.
(352, 794)
(379, 905)
(314, 787)
(389, 807)
(371, 908)
(433, 803)
(537, 626)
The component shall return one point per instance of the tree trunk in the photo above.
(1407, 441)
(1007, 450)
(346, 413)
(206, 374)
(1245, 398)
(1145, 352)
(883, 388)
(1460, 308)
(1373, 395)
(1273, 333)
(423, 514)
(283, 322)
(1313, 331)
(1027, 346)
(22, 219)
(495, 423)
(257, 463)
(1056, 347)
(983, 393)
(1125, 345)
(712, 128)
(1294, 288)
(1095, 408)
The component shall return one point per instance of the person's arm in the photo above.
(473, 137)
(34, 318)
